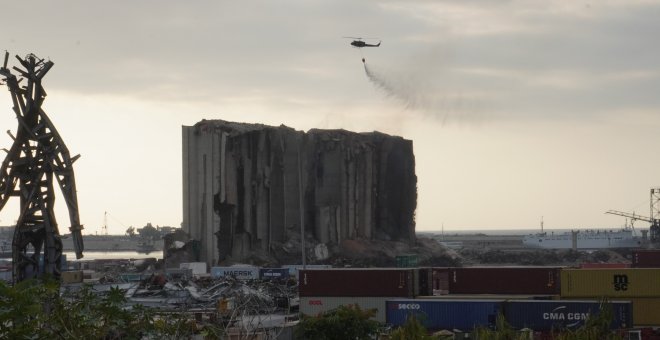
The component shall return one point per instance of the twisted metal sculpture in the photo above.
(37, 158)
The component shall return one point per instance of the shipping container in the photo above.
(198, 268)
(406, 261)
(237, 272)
(610, 283)
(604, 265)
(645, 311)
(649, 258)
(547, 315)
(273, 273)
(315, 305)
(444, 314)
(74, 276)
(504, 280)
(440, 281)
(356, 282)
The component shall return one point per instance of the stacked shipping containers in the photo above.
(397, 293)
(639, 285)
(322, 290)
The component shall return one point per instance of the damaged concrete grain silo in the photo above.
(247, 187)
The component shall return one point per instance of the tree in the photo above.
(412, 330)
(34, 309)
(149, 232)
(130, 231)
(345, 322)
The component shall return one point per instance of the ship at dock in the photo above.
(585, 239)
(602, 239)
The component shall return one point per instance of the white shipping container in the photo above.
(198, 268)
(313, 306)
(240, 273)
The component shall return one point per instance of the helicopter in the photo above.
(359, 43)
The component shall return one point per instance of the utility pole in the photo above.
(105, 223)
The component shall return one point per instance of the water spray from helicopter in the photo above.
(414, 88)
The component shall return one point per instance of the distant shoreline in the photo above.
(500, 232)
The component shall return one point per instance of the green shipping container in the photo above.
(406, 261)
(610, 283)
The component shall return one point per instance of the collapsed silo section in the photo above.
(247, 187)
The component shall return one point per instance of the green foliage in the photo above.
(503, 331)
(36, 310)
(343, 323)
(411, 330)
(130, 231)
(149, 232)
(21, 309)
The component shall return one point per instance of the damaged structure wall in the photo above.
(242, 185)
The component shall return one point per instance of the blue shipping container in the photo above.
(465, 315)
(547, 315)
(273, 273)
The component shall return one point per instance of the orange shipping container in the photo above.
(610, 283)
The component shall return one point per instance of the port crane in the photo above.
(654, 220)
(37, 161)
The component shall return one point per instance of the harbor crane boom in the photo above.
(633, 217)
(654, 220)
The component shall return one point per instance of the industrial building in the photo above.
(248, 187)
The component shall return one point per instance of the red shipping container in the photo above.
(646, 259)
(604, 265)
(362, 282)
(504, 280)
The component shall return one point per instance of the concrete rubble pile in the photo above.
(200, 293)
(248, 187)
(261, 305)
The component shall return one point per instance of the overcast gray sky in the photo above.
(517, 109)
